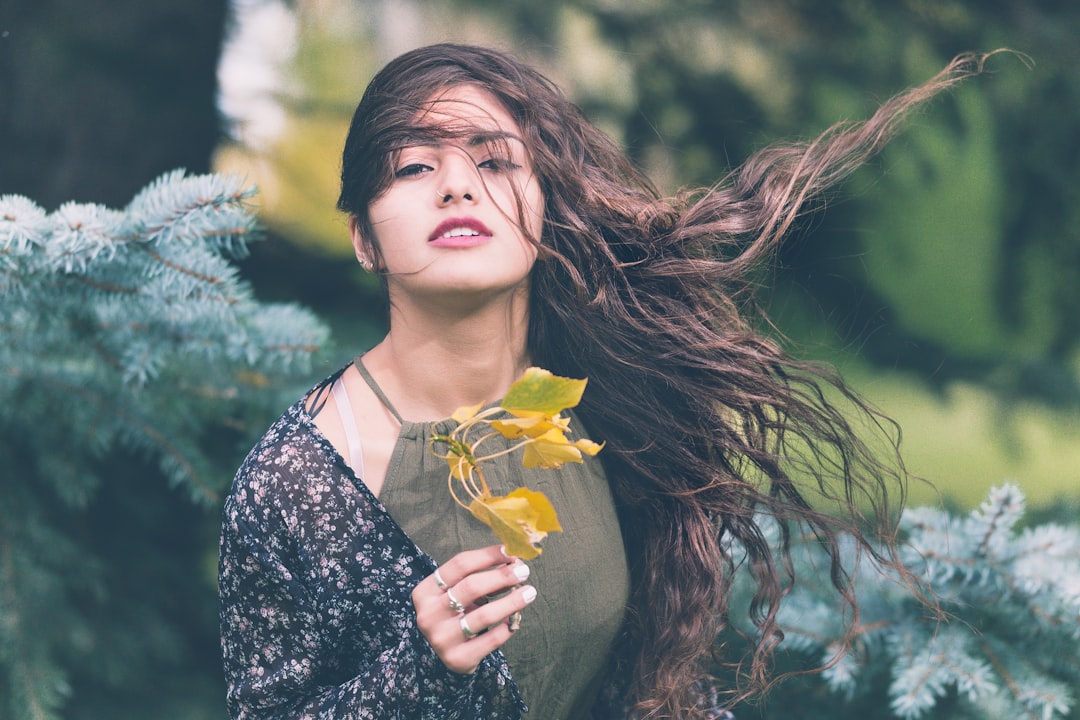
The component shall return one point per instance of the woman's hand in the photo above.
(454, 613)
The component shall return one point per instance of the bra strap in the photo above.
(348, 422)
(376, 389)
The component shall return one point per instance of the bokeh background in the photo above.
(943, 280)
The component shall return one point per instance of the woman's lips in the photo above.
(460, 232)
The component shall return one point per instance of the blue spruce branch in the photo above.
(1010, 644)
(103, 303)
(124, 331)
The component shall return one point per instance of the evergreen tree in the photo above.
(1009, 643)
(132, 352)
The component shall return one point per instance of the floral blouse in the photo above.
(315, 580)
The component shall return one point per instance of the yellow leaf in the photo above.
(520, 520)
(539, 392)
(588, 447)
(466, 412)
(550, 451)
(535, 426)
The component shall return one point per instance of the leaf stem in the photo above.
(507, 451)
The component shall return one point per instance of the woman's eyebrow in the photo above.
(487, 138)
(472, 140)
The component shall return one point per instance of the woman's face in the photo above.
(449, 226)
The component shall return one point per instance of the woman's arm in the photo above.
(276, 651)
(279, 655)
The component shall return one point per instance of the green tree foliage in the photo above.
(133, 353)
(950, 265)
(961, 262)
(1008, 645)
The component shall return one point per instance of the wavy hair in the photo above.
(707, 419)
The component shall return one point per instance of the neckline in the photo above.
(408, 427)
(364, 373)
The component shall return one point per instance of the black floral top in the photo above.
(316, 613)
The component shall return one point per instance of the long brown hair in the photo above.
(706, 417)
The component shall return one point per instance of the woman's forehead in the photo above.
(469, 110)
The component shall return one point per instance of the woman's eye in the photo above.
(411, 170)
(499, 164)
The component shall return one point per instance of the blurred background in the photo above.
(943, 280)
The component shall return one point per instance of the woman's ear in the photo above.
(360, 245)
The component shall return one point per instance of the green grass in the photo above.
(966, 441)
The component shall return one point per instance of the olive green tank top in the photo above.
(581, 577)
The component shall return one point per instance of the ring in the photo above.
(465, 629)
(454, 604)
(438, 579)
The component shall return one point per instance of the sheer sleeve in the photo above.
(274, 651)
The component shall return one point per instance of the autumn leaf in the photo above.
(531, 416)
(540, 393)
(535, 426)
(520, 520)
(466, 412)
(588, 447)
(553, 448)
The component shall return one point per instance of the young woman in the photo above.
(509, 232)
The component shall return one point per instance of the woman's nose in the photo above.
(458, 181)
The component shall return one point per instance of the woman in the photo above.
(507, 232)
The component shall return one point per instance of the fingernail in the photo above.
(529, 593)
(521, 571)
(502, 549)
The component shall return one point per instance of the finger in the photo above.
(482, 584)
(480, 587)
(448, 631)
(433, 603)
(471, 561)
(463, 641)
(464, 656)
(497, 612)
(445, 630)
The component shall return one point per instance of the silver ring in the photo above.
(465, 629)
(438, 579)
(454, 604)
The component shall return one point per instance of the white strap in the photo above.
(352, 436)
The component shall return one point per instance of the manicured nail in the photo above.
(521, 571)
(529, 593)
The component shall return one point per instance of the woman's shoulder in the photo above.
(274, 467)
(290, 455)
(291, 439)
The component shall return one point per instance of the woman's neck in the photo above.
(430, 364)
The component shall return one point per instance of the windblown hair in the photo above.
(707, 419)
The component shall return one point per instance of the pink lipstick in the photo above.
(460, 232)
